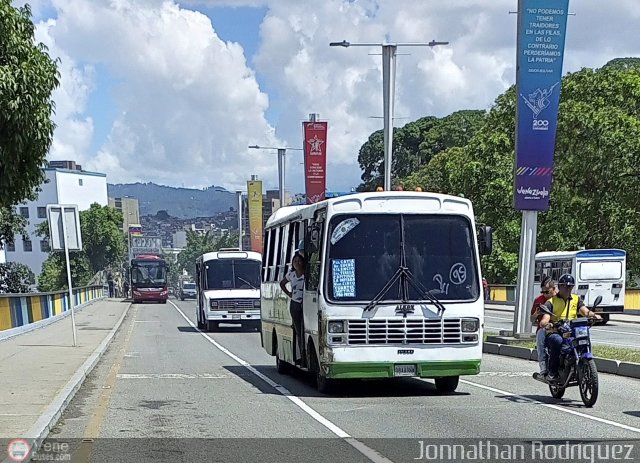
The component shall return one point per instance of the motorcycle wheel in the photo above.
(556, 391)
(588, 382)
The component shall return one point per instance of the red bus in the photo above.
(149, 279)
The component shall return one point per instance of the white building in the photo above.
(67, 184)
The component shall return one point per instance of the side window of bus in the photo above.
(265, 256)
(313, 253)
(273, 239)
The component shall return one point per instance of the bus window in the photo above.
(591, 271)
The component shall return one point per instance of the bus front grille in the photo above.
(404, 331)
(233, 305)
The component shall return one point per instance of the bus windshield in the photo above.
(365, 252)
(233, 274)
(149, 275)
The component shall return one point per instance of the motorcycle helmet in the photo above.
(567, 280)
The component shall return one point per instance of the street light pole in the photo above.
(239, 220)
(388, 93)
(281, 167)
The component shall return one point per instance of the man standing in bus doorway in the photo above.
(296, 278)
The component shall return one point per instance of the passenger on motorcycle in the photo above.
(547, 291)
(565, 306)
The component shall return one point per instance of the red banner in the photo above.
(315, 160)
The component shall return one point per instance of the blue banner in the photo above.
(542, 28)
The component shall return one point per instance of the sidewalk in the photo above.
(41, 370)
(633, 316)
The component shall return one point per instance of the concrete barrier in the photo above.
(615, 367)
(21, 312)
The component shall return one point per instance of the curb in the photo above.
(18, 330)
(614, 367)
(40, 430)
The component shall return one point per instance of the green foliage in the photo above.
(200, 244)
(11, 224)
(15, 278)
(593, 201)
(415, 144)
(54, 272)
(28, 77)
(103, 245)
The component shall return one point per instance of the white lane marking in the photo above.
(499, 318)
(368, 452)
(554, 407)
(511, 374)
(169, 376)
(605, 330)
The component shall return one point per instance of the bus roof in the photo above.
(447, 203)
(581, 253)
(251, 255)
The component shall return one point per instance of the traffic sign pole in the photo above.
(65, 235)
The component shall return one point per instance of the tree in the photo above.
(15, 278)
(11, 224)
(198, 244)
(415, 144)
(593, 199)
(103, 244)
(28, 77)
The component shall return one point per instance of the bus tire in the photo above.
(283, 367)
(201, 325)
(447, 384)
(212, 326)
(324, 385)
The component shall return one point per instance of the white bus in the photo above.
(393, 287)
(228, 288)
(598, 272)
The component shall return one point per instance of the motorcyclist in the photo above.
(565, 305)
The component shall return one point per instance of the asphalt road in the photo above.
(614, 333)
(166, 392)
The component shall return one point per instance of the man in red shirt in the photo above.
(548, 289)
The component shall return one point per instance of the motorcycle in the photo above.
(577, 366)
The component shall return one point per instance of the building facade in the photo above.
(66, 183)
(130, 209)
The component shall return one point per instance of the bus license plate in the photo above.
(405, 370)
(235, 317)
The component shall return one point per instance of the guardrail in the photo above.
(18, 310)
(506, 294)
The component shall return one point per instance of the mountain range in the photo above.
(178, 202)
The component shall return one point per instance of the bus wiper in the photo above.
(245, 281)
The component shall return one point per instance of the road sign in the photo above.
(59, 217)
(146, 245)
(65, 234)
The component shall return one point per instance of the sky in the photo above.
(174, 91)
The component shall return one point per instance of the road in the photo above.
(616, 334)
(162, 378)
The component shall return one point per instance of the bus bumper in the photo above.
(610, 309)
(427, 369)
(234, 317)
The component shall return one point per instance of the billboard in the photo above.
(135, 229)
(540, 51)
(146, 245)
(254, 200)
(315, 160)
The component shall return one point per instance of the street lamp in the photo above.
(388, 91)
(281, 166)
(239, 193)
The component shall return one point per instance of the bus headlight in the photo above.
(256, 303)
(336, 327)
(470, 325)
(214, 304)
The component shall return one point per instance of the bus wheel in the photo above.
(324, 385)
(447, 384)
(212, 326)
(283, 367)
(201, 325)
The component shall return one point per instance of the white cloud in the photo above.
(188, 103)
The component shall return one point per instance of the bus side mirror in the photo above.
(485, 240)
(312, 239)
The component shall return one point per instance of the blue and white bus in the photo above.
(598, 272)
